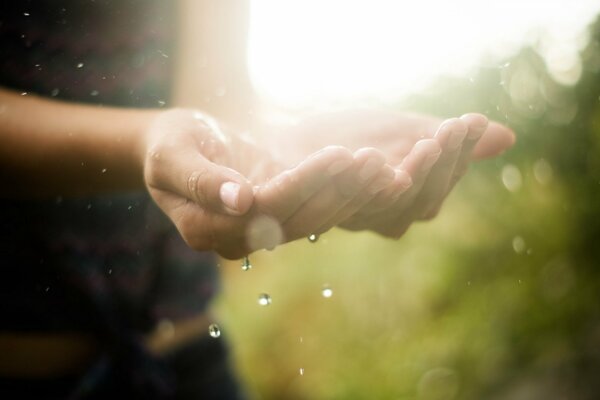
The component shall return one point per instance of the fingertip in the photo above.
(451, 133)
(496, 139)
(476, 123)
(246, 198)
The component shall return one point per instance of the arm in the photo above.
(55, 148)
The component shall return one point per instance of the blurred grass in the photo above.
(452, 310)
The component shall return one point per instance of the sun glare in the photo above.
(314, 52)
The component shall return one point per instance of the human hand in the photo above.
(434, 155)
(228, 195)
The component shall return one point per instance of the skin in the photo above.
(213, 187)
(428, 157)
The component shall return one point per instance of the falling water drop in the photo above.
(264, 299)
(313, 237)
(518, 244)
(80, 65)
(326, 292)
(301, 371)
(214, 331)
(246, 264)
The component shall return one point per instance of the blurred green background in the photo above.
(497, 298)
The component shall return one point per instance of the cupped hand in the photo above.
(428, 157)
(228, 195)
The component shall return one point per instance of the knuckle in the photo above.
(195, 185)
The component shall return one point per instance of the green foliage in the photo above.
(498, 298)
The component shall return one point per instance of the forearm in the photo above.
(55, 148)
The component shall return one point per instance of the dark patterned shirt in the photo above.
(108, 263)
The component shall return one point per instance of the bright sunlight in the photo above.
(315, 52)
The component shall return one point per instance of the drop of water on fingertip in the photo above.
(214, 331)
(313, 237)
(246, 264)
(264, 299)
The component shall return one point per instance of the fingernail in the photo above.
(338, 166)
(369, 169)
(430, 161)
(379, 184)
(229, 193)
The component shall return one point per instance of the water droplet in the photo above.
(264, 299)
(54, 92)
(313, 237)
(129, 208)
(214, 331)
(89, 206)
(162, 54)
(26, 14)
(326, 292)
(511, 178)
(301, 371)
(246, 264)
(23, 93)
(518, 244)
(110, 271)
(94, 93)
(104, 170)
(162, 103)
(301, 339)
(80, 65)
(47, 288)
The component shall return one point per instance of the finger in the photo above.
(384, 178)
(477, 124)
(450, 134)
(495, 140)
(207, 184)
(317, 213)
(417, 164)
(284, 194)
(388, 196)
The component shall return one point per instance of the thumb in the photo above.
(220, 189)
(211, 186)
